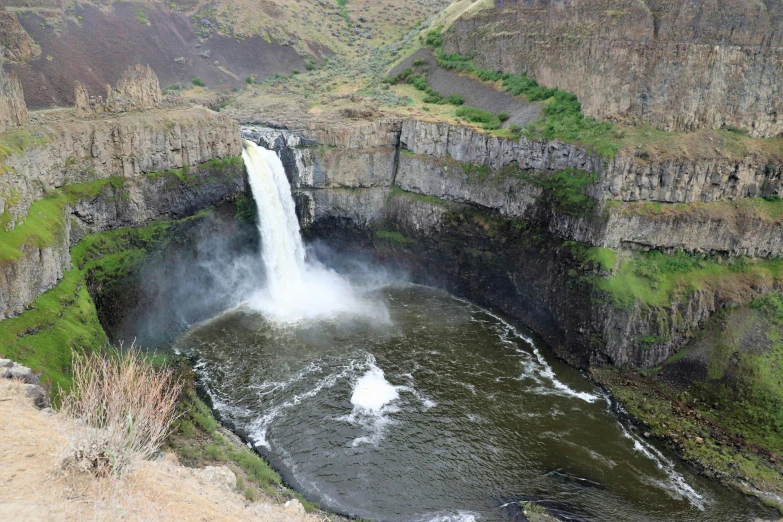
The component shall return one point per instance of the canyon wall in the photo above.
(677, 64)
(485, 218)
(77, 177)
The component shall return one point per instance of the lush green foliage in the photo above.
(198, 82)
(475, 115)
(771, 305)
(566, 191)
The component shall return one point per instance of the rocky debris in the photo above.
(13, 110)
(15, 44)
(221, 476)
(665, 63)
(137, 90)
(32, 386)
(294, 507)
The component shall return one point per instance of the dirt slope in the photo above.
(32, 490)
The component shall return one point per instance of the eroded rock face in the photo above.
(137, 90)
(125, 150)
(13, 111)
(15, 44)
(677, 64)
(129, 147)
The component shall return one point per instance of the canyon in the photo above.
(654, 270)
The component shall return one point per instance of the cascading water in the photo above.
(296, 288)
(283, 252)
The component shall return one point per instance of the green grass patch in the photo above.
(16, 141)
(654, 278)
(566, 191)
(397, 192)
(489, 120)
(141, 16)
(393, 237)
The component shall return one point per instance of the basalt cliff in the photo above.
(66, 177)
(677, 64)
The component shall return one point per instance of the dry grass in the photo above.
(156, 490)
(125, 406)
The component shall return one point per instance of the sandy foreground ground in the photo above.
(32, 489)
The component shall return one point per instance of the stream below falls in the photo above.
(414, 405)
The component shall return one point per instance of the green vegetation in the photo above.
(393, 237)
(566, 191)
(198, 82)
(342, 6)
(141, 16)
(655, 278)
(562, 115)
(64, 318)
(16, 141)
(44, 224)
(420, 83)
(489, 120)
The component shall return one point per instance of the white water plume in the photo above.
(296, 288)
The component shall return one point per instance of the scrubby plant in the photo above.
(455, 99)
(125, 406)
(198, 82)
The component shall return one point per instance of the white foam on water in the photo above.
(459, 516)
(676, 482)
(372, 391)
(258, 428)
(535, 368)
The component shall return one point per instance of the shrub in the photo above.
(515, 128)
(198, 82)
(503, 116)
(420, 82)
(455, 99)
(419, 61)
(126, 407)
(434, 38)
(249, 79)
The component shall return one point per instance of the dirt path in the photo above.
(32, 490)
(477, 94)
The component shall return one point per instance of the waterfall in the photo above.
(283, 253)
(296, 288)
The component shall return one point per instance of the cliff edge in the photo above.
(677, 64)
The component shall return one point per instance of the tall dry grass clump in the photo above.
(125, 406)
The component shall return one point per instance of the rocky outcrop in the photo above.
(137, 144)
(625, 177)
(15, 44)
(106, 174)
(137, 90)
(677, 64)
(13, 111)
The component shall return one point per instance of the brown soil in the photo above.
(476, 93)
(97, 49)
(32, 489)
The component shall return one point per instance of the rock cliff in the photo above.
(137, 90)
(486, 210)
(13, 111)
(76, 177)
(678, 64)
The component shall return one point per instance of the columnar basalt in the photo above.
(676, 64)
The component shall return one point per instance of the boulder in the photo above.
(221, 476)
